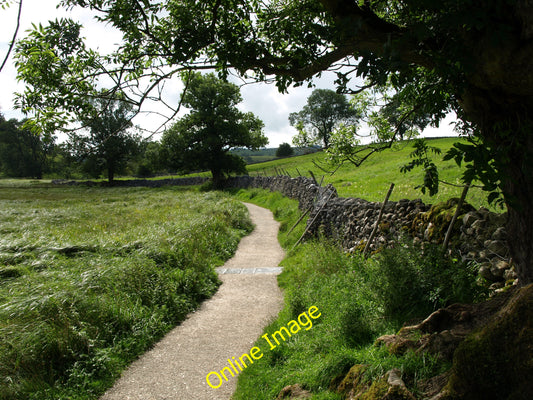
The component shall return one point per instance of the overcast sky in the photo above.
(262, 99)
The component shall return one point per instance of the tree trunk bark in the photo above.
(506, 126)
(518, 191)
(218, 178)
(110, 173)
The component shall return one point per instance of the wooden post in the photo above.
(455, 216)
(313, 220)
(313, 176)
(299, 220)
(371, 238)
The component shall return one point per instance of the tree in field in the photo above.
(108, 144)
(431, 57)
(23, 154)
(201, 140)
(284, 150)
(325, 110)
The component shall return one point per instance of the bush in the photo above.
(411, 283)
(284, 150)
(144, 171)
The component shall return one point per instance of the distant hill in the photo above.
(268, 154)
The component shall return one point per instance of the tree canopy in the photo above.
(474, 58)
(284, 150)
(108, 142)
(23, 154)
(202, 139)
(325, 110)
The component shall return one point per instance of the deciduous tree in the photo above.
(201, 140)
(284, 150)
(108, 143)
(23, 154)
(325, 110)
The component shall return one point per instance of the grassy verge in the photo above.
(359, 300)
(92, 277)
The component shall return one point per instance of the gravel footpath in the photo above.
(225, 326)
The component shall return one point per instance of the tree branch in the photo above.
(12, 44)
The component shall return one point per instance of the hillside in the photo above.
(372, 180)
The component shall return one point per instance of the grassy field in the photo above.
(359, 300)
(92, 277)
(371, 181)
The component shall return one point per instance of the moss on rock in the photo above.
(497, 361)
(435, 222)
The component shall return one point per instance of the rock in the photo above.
(431, 387)
(389, 387)
(500, 234)
(497, 285)
(398, 344)
(486, 272)
(353, 382)
(510, 275)
(293, 392)
(498, 267)
(478, 225)
(482, 256)
(397, 389)
(428, 233)
(497, 247)
(483, 212)
(470, 218)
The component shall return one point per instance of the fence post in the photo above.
(313, 176)
(299, 220)
(313, 220)
(455, 216)
(371, 238)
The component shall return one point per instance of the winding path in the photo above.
(225, 326)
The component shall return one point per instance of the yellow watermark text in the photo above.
(216, 379)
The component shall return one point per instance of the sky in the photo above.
(263, 100)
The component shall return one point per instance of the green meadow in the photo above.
(371, 180)
(90, 278)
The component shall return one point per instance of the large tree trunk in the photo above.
(518, 191)
(506, 126)
(218, 178)
(110, 172)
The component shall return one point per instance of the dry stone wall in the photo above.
(478, 235)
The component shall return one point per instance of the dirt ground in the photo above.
(225, 326)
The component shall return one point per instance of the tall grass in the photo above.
(359, 300)
(91, 278)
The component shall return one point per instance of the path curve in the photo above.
(225, 326)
